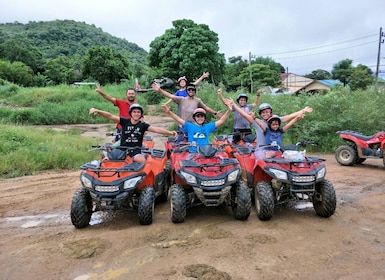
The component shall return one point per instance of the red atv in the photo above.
(288, 176)
(207, 177)
(360, 147)
(229, 143)
(117, 183)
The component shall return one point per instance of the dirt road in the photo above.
(38, 240)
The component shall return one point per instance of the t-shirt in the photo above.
(260, 134)
(124, 107)
(198, 134)
(239, 121)
(181, 92)
(274, 136)
(132, 134)
(187, 106)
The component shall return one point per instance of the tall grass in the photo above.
(27, 150)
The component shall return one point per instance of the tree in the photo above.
(262, 75)
(17, 73)
(342, 70)
(13, 50)
(269, 62)
(105, 65)
(319, 74)
(361, 77)
(233, 70)
(187, 49)
(60, 70)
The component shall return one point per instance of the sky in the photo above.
(301, 35)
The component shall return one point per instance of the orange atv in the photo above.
(233, 140)
(118, 183)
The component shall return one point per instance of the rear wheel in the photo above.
(264, 201)
(346, 155)
(146, 206)
(163, 197)
(324, 200)
(178, 204)
(81, 208)
(241, 203)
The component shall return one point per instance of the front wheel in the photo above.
(324, 200)
(178, 204)
(146, 206)
(81, 208)
(346, 155)
(241, 203)
(264, 200)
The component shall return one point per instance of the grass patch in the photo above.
(28, 150)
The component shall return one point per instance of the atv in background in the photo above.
(117, 183)
(289, 176)
(360, 147)
(207, 177)
(232, 140)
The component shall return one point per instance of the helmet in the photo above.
(135, 106)
(199, 111)
(182, 78)
(191, 86)
(274, 118)
(264, 106)
(242, 95)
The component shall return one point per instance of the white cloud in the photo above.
(259, 27)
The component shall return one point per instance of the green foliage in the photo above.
(262, 75)
(39, 44)
(361, 77)
(187, 48)
(319, 74)
(28, 150)
(105, 65)
(17, 73)
(342, 70)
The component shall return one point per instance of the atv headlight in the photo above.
(86, 182)
(321, 173)
(131, 183)
(233, 175)
(279, 174)
(189, 178)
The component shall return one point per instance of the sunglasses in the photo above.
(191, 89)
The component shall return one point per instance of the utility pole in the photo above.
(251, 74)
(380, 41)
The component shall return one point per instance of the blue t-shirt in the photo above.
(198, 134)
(181, 92)
(261, 136)
(274, 136)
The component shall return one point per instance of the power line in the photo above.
(321, 46)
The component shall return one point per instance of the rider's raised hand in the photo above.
(155, 86)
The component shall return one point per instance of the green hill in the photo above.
(68, 38)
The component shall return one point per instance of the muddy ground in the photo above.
(38, 240)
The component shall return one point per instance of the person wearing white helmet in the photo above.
(265, 111)
(198, 131)
(241, 125)
(133, 129)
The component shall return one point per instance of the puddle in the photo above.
(36, 220)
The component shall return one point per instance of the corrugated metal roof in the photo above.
(330, 83)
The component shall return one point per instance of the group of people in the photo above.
(192, 115)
